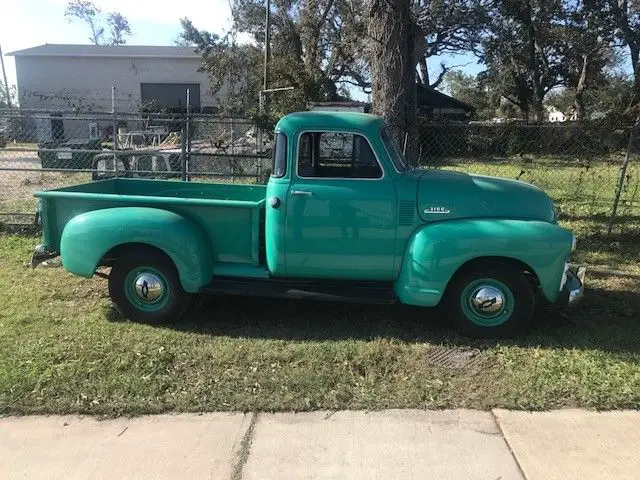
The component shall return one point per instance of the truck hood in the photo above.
(445, 195)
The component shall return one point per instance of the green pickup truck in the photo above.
(342, 217)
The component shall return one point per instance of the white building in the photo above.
(73, 79)
(555, 115)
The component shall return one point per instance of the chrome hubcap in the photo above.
(148, 287)
(487, 300)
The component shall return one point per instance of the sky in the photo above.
(28, 23)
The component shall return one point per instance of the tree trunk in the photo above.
(635, 61)
(393, 61)
(578, 100)
(538, 111)
(424, 72)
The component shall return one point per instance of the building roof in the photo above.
(137, 51)
(432, 98)
(321, 120)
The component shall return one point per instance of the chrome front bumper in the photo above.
(573, 289)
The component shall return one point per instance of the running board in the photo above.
(336, 291)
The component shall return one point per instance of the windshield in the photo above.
(393, 149)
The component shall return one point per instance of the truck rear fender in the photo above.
(435, 252)
(92, 236)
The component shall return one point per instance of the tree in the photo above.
(321, 41)
(522, 54)
(474, 90)
(626, 18)
(586, 46)
(317, 47)
(87, 12)
(449, 26)
(118, 28)
(609, 98)
(9, 97)
(234, 70)
(395, 38)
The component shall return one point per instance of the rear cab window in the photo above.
(279, 166)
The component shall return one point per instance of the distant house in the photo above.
(435, 105)
(555, 116)
(78, 78)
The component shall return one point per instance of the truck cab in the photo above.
(343, 217)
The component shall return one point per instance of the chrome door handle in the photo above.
(301, 193)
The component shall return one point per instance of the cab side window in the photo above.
(336, 155)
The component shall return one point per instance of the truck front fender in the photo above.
(89, 236)
(436, 251)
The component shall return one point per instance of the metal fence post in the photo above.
(115, 127)
(633, 138)
(188, 139)
(183, 150)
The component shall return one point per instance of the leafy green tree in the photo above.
(317, 47)
(586, 45)
(87, 12)
(625, 15)
(475, 91)
(521, 51)
(449, 27)
(234, 69)
(609, 98)
(119, 28)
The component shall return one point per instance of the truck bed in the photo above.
(231, 215)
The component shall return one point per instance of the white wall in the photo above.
(84, 83)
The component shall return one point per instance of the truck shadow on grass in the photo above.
(607, 320)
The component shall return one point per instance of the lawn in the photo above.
(64, 349)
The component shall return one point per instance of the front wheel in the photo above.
(490, 300)
(145, 287)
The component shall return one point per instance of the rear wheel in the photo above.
(490, 300)
(145, 287)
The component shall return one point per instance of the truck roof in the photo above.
(321, 120)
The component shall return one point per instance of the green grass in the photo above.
(64, 349)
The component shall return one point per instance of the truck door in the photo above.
(276, 213)
(341, 220)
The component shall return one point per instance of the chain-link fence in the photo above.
(41, 150)
(578, 165)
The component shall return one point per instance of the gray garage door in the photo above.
(170, 95)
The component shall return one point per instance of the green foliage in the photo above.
(475, 91)
(119, 28)
(317, 47)
(233, 68)
(87, 12)
(521, 52)
(609, 98)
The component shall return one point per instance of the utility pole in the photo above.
(267, 51)
(6, 84)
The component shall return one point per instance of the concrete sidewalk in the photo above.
(393, 444)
